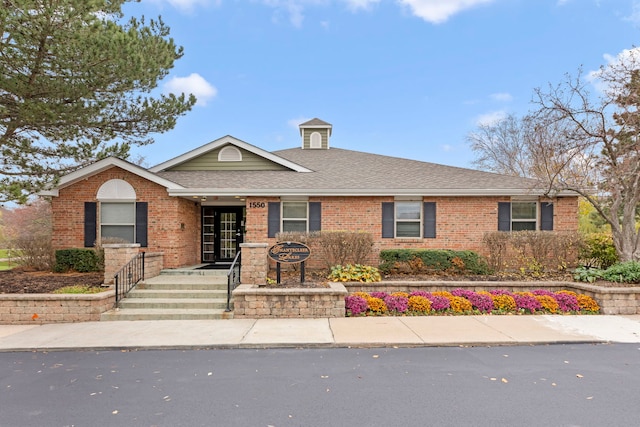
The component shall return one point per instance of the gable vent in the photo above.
(229, 154)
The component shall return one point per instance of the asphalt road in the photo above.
(557, 385)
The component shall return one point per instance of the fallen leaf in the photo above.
(324, 376)
(114, 412)
(553, 384)
(590, 397)
(375, 356)
(35, 316)
(493, 379)
(504, 380)
(579, 376)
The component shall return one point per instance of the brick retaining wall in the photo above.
(18, 309)
(252, 301)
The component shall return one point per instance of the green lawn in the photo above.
(4, 265)
(4, 253)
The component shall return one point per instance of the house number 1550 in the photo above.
(256, 204)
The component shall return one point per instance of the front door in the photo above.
(222, 229)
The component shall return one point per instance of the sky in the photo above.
(404, 78)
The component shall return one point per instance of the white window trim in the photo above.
(396, 220)
(229, 154)
(283, 219)
(315, 140)
(526, 220)
(102, 224)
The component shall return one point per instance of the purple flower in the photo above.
(465, 293)
(481, 302)
(420, 294)
(439, 303)
(396, 303)
(355, 305)
(527, 303)
(566, 302)
(381, 295)
(543, 292)
(500, 292)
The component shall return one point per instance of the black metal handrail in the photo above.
(233, 278)
(129, 276)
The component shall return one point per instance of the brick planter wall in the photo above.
(252, 301)
(611, 300)
(37, 309)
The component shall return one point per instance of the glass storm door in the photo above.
(222, 229)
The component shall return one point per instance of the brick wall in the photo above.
(173, 222)
(461, 222)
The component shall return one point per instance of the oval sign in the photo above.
(289, 252)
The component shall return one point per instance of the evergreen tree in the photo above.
(76, 85)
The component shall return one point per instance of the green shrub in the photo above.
(432, 260)
(598, 251)
(80, 260)
(587, 274)
(624, 272)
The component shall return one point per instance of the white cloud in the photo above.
(628, 59)
(294, 123)
(438, 11)
(294, 9)
(360, 4)
(634, 18)
(490, 118)
(194, 84)
(502, 97)
(186, 6)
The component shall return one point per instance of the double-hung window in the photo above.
(294, 216)
(408, 217)
(118, 220)
(524, 216)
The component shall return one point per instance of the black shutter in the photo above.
(546, 216)
(273, 220)
(141, 223)
(429, 209)
(315, 216)
(90, 223)
(388, 220)
(504, 216)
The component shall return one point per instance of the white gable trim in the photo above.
(224, 141)
(103, 165)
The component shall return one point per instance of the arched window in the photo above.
(117, 210)
(315, 140)
(229, 154)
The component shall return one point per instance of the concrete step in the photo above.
(174, 303)
(192, 282)
(183, 286)
(165, 314)
(177, 293)
(192, 272)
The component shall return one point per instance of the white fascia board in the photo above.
(103, 165)
(352, 192)
(224, 141)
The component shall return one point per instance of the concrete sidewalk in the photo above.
(337, 332)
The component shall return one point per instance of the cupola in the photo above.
(315, 134)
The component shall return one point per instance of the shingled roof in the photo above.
(345, 172)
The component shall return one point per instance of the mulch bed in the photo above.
(17, 281)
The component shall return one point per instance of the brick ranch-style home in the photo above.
(200, 206)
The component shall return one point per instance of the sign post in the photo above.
(289, 253)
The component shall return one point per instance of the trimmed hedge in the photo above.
(434, 260)
(80, 260)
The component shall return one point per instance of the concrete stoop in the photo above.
(176, 295)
